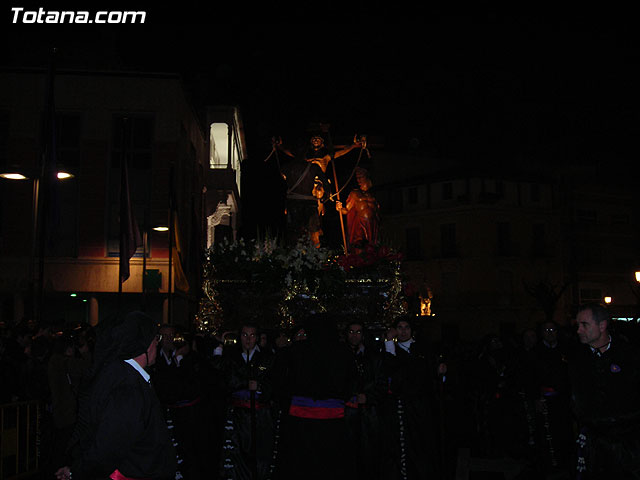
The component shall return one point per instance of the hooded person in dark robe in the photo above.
(121, 433)
(319, 377)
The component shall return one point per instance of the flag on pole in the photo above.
(130, 238)
(48, 175)
(180, 279)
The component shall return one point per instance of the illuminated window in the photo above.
(225, 149)
(219, 141)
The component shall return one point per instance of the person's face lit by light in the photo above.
(404, 331)
(248, 338)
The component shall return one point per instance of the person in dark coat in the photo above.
(552, 378)
(362, 410)
(181, 379)
(605, 387)
(66, 370)
(319, 376)
(121, 431)
(409, 427)
(248, 443)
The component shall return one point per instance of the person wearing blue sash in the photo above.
(319, 376)
(248, 431)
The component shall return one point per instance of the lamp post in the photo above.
(635, 288)
(37, 233)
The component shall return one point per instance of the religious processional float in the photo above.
(275, 285)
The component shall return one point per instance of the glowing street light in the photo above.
(607, 300)
(13, 176)
(62, 175)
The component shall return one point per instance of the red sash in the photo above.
(305, 407)
(116, 475)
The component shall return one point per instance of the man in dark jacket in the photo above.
(605, 383)
(361, 410)
(123, 434)
(409, 426)
(248, 443)
(182, 381)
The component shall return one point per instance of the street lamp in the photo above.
(607, 300)
(13, 176)
(16, 174)
(638, 276)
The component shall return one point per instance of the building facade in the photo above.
(102, 118)
(500, 250)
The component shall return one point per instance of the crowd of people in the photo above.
(327, 399)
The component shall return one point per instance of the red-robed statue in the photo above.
(361, 209)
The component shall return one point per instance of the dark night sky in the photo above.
(477, 87)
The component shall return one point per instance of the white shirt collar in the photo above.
(253, 350)
(597, 350)
(406, 345)
(140, 370)
(168, 358)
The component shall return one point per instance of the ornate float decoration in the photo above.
(276, 285)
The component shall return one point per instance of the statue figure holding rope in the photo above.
(308, 186)
(362, 213)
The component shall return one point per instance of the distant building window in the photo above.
(590, 295)
(538, 240)
(449, 283)
(395, 200)
(68, 128)
(447, 191)
(413, 195)
(535, 193)
(413, 242)
(586, 216)
(588, 255)
(620, 219)
(503, 239)
(448, 240)
(132, 135)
